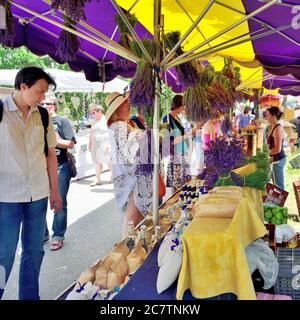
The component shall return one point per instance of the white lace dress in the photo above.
(100, 142)
(125, 153)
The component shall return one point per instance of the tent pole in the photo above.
(162, 24)
(155, 198)
(244, 19)
(132, 31)
(124, 53)
(188, 32)
(242, 86)
(218, 48)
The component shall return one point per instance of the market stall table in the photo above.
(214, 259)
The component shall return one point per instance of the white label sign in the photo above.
(2, 18)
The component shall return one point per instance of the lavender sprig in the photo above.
(221, 158)
(7, 35)
(122, 64)
(74, 9)
(142, 88)
(68, 44)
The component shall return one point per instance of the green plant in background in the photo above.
(21, 57)
(261, 160)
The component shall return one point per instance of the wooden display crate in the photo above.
(275, 195)
(290, 243)
(270, 237)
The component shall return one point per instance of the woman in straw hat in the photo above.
(99, 142)
(133, 191)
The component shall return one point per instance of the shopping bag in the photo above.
(72, 164)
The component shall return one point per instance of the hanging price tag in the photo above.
(2, 18)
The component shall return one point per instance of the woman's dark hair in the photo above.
(275, 111)
(30, 75)
(177, 102)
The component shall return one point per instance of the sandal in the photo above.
(95, 183)
(56, 245)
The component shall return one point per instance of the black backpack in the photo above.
(45, 120)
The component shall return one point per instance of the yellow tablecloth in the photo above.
(214, 259)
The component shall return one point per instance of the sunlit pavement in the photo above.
(94, 226)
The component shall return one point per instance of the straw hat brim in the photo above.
(115, 105)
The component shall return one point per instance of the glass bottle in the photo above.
(130, 241)
(143, 229)
(156, 235)
(157, 232)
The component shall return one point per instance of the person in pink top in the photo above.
(211, 129)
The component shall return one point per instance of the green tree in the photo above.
(21, 57)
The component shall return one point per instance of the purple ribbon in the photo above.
(81, 288)
(95, 295)
(176, 244)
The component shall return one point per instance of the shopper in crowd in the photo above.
(65, 140)
(244, 118)
(296, 123)
(211, 129)
(235, 123)
(178, 171)
(28, 176)
(99, 142)
(275, 139)
(198, 145)
(133, 192)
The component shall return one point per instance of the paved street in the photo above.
(93, 227)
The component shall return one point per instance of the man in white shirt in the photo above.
(28, 176)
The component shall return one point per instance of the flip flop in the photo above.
(93, 184)
(56, 245)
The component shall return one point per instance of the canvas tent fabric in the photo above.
(68, 81)
(277, 52)
(288, 85)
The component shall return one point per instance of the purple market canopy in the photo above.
(252, 32)
(286, 84)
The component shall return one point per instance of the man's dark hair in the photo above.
(30, 75)
(176, 102)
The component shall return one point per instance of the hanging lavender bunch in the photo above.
(123, 64)
(7, 35)
(197, 105)
(68, 44)
(142, 88)
(74, 9)
(187, 72)
(120, 63)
